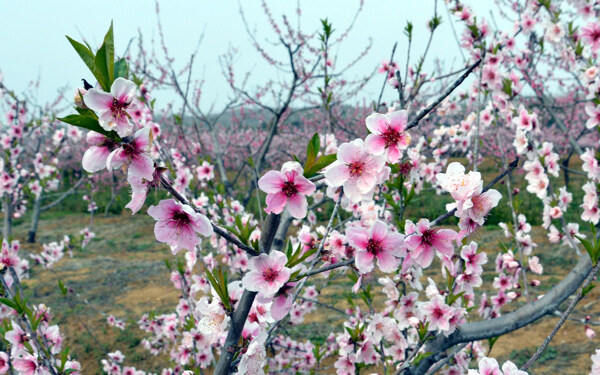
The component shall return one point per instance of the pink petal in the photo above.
(165, 231)
(394, 154)
(281, 306)
(398, 120)
(337, 174)
(365, 182)
(187, 239)
(375, 144)
(350, 152)
(98, 100)
(377, 123)
(364, 261)
(387, 262)
(123, 90)
(378, 230)
(93, 138)
(116, 159)
(297, 206)
(94, 159)
(164, 209)
(203, 226)
(304, 185)
(142, 139)
(358, 238)
(276, 203)
(271, 182)
(142, 165)
(137, 201)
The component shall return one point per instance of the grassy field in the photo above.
(122, 272)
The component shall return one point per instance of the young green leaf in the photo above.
(322, 162)
(312, 150)
(90, 123)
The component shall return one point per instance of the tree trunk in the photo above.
(239, 316)
(113, 195)
(35, 219)
(7, 229)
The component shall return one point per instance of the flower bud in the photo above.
(78, 97)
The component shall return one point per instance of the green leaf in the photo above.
(589, 248)
(121, 69)
(88, 59)
(63, 288)
(322, 162)
(302, 258)
(109, 45)
(90, 123)
(491, 342)
(312, 150)
(410, 195)
(587, 289)
(102, 66)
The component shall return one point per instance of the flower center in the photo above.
(181, 218)
(374, 247)
(391, 137)
(118, 109)
(356, 168)
(289, 188)
(428, 236)
(269, 274)
(438, 313)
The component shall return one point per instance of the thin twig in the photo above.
(448, 91)
(563, 318)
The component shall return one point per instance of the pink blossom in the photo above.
(111, 108)
(356, 170)
(205, 171)
(376, 243)
(423, 241)
(27, 364)
(473, 260)
(437, 313)
(4, 363)
(16, 336)
(478, 206)
(140, 188)
(94, 158)
(594, 113)
(135, 155)
(589, 332)
(489, 366)
(267, 274)
(457, 183)
(282, 301)
(287, 189)
(535, 266)
(591, 35)
(178, 224)
(387, 134)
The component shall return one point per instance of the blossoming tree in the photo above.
(244, 278)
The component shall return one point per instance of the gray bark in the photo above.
(239, 316)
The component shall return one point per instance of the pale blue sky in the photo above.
(32, 41)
